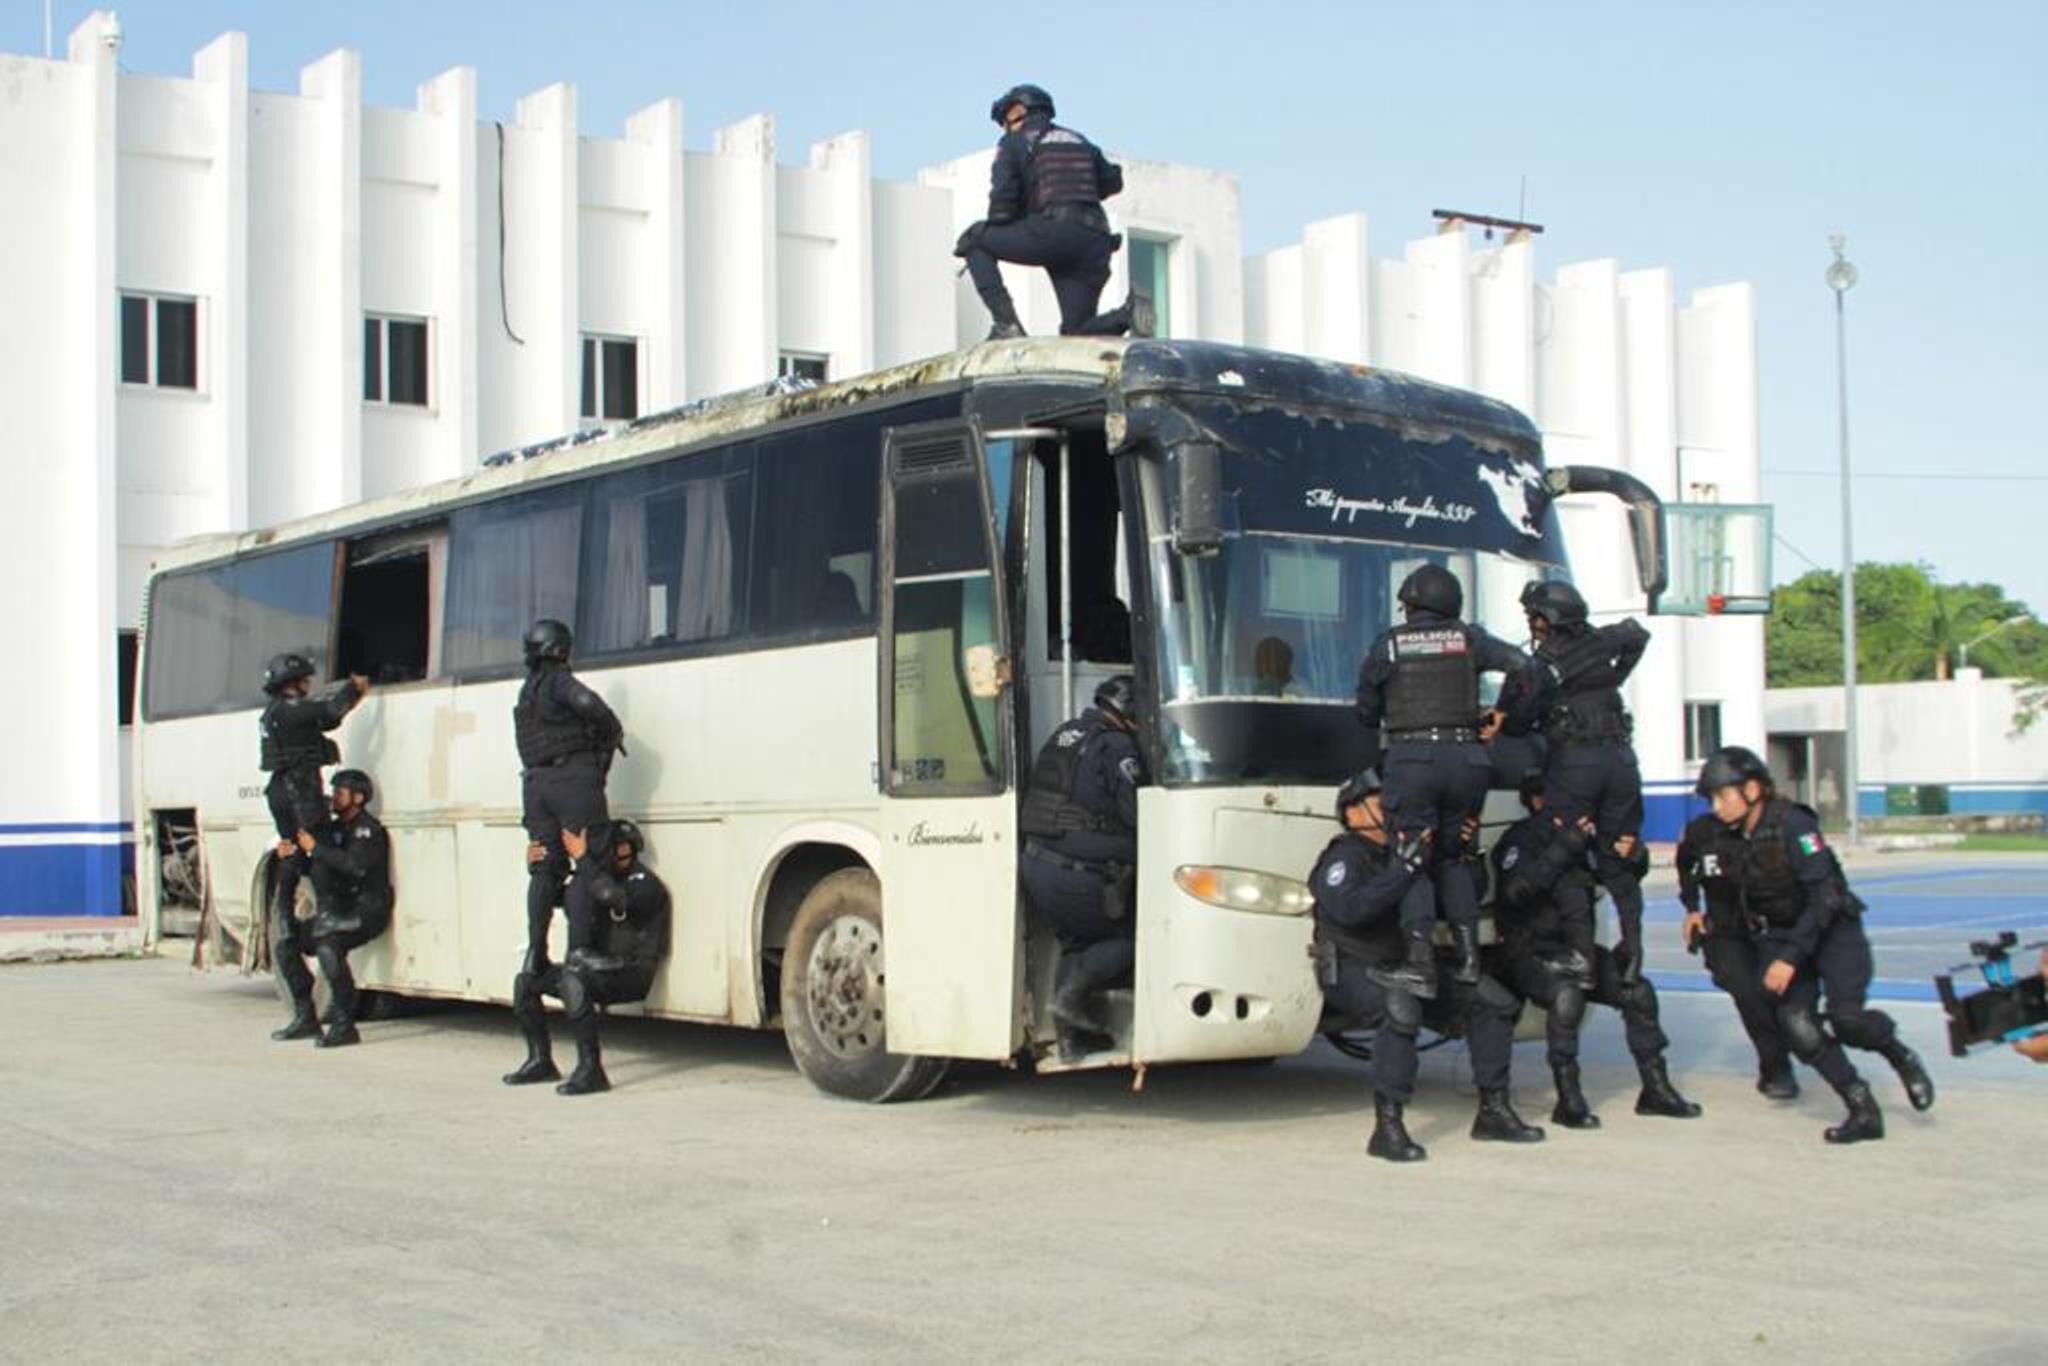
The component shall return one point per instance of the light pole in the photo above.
(1840, 277)
(1963, 650)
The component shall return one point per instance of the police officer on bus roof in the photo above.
(1045, 209)
(618, 935)
(1707, 857)
(351, 857)
(566, 736)
(1591, 772)
(1419, 686)
(1533, 861)
(1080, 826)
(1361, 953)
(293, 748)
(1809, 936)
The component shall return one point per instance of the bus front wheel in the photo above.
(833, 982)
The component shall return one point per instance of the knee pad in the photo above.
(577, 1000)
(1404, 1013)
(333, 958)
(1568, 1006)
(1638, 997)
(1801, 1030)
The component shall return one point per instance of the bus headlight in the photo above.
(1242, 889)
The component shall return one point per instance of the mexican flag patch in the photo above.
(1811, 844)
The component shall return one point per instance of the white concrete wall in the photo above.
(1959, 732)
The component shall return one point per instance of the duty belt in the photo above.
(571, 757)
(1106, 868)
(1434, 735)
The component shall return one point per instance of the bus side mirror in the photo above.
(1198, 497)
(1646, 532)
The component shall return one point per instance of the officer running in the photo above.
(1045, 209)
(618, 935)
(1809, 934)
(1591, 773)
(1080, 826)
(1539, 869)
(351, 857)
(1716, 928)
(294, 747)
(1359, 885)
(566, 735)
(1419, 686)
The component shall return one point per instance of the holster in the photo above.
(1324, 954)
(1116, 890)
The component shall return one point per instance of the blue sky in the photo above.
(1724, 141)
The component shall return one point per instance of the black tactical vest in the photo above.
(1061, 170)
(1589, 706)
(1383, 943)
(1436, 678)
(1720, 853)
(292, 737)
(1050, 807)
(546, 733)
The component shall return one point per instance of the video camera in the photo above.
(2007, 1009)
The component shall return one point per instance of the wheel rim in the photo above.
(844, 984)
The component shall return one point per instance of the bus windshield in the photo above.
(1258, 644)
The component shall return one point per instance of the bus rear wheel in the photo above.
(834, 977)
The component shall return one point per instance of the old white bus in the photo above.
(837, 623)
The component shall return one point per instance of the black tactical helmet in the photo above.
(1730, 766)
(1434, 589)
(1531, 786)
(355, 780)
(625, 832)
(1032, 97)
(1554, 601)
(548, 639)
(1118, 693)
(283, 669)
(1357, 788)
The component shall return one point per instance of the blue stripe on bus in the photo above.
(63, 879)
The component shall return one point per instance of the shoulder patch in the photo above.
(1811, 843)
(1512, 857)
(1335, 877)
(363, 833)
(1128, 766)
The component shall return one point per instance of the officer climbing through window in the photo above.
(1708, 853)
(351, 857)
(566, 736)
(1591, 773)
(1534, 863)
(1045, 209)
(1809, 935)
(1361, 953)
(618, 935)
(1080, 825)
(294, 747)
(1419, 686)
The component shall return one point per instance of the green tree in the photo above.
(1909, 628)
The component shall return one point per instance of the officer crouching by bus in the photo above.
(351, 858)
(566, 736)
(1363, 965)
(1716, 928)
(1080, 826)
(1809, 935)
(618, 934)
(1542, 873)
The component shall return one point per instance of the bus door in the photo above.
(949, 875)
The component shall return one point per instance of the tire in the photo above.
(833, 980)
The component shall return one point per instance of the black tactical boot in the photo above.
(1072, 1008)
(540, 1062)
(1390, 1135)
(1659, 1096)
(1865, 1120)
(340, 1034)
(1466, 937)
(1143, 315)
(1076, 1044)
(1497, 1121)
(1006, 331)
(589, 1074)
(303, 1025)
(1571, 1109)
(1919, 1086)
(1775, 1081)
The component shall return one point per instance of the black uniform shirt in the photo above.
(296, 723)
(354, 858)
(1357, 886)
(1528, 859)
(632, 910)
(558, 693)
(1813, 864)
(1106, 782)
(1707, 853)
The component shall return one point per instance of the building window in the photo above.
(1149, 256)
(125, 645)
(611, 378)
(395, 360)
(1702, 730)
(160, 341)
(802, 365)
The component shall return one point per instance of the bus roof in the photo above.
(1141, 367)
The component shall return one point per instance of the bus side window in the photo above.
(666, 555)
(390, 587)
(814, 530)
(1102, 619)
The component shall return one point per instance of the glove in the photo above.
(1411, 851)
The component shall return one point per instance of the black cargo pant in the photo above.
(1074, 255)
(297, 801)
(1732, 962)
(1437, 787)
(1839, 970)
(1600, 780)
(340, 925)
(1096, 948)
(582, 985)
(567, 794)
(1484, 1013)
(1524, 969)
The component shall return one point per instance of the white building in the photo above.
(231, 307)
